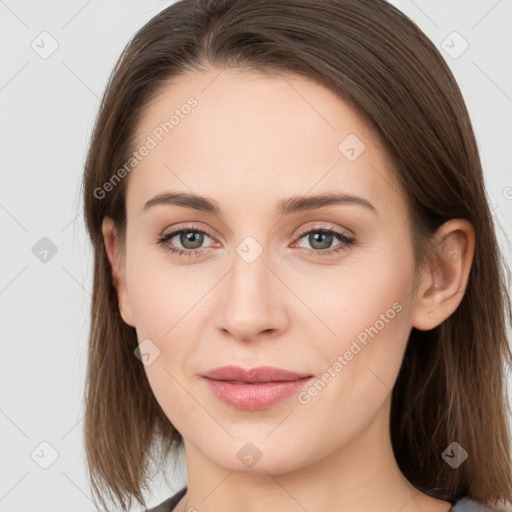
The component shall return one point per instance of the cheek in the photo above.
(362, 294)
(168, 303)
(166, 307)
(161, 292)
(359, 366)
(368, 315)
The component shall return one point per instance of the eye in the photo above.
(190, 238)
(322, 238)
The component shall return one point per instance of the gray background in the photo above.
(48, 105)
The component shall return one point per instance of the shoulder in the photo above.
(169, 504)
(468, 505)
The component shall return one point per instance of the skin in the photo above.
(251, 141)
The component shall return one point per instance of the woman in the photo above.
(297, 277)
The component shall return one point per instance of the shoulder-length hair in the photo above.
(451, 386)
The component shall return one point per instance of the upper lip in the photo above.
(259, 374)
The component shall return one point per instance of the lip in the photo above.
(254, 388)
(254, 375)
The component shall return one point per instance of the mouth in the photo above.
(254, 389)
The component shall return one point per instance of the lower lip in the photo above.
(253, 397)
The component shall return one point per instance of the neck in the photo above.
(360, 475)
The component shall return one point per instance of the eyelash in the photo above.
(345, 239)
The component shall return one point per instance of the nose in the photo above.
(253, 302)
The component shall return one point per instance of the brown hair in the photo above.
(451, 384)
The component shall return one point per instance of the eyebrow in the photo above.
(284, 206)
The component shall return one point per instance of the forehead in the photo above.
(240, 136)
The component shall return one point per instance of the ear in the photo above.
(117, 263)
(442, 288)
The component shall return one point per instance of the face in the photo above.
(260, 281)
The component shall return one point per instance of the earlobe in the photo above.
(113, 249)
(442, 287)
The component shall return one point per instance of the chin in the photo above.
(259, 456)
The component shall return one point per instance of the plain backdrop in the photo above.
(56, 57)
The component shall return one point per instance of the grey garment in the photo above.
(170, 503)
(467, 505)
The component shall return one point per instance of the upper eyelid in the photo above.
(177, 230)
(319, 227)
